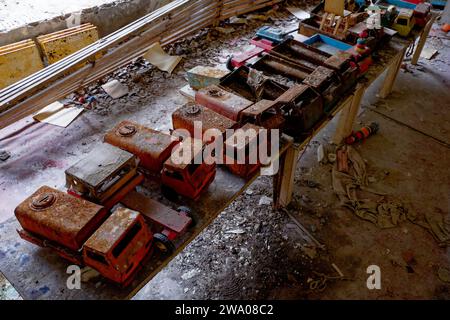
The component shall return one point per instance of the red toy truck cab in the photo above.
(187, 175)
(119, 246)
(188, 115)
(67, 224)
(167, 224)
(422, 14)
(150, 146)
(245, 141)
(58, 217)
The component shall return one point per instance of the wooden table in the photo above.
(390, 58)
(38, 273)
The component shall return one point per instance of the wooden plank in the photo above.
(422, 39)
(57, 70)
(391, 75)
(19, 63)
(236, 12)
(348, 115)
(16, 46)
(335, 7)
(64, 32)
(284, 180)
(55, 49)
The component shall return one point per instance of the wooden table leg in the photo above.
(348, 115)
(283, 181)
(423, 39)
(392, 73)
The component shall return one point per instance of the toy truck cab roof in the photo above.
(186, 117)
(241, 139)
(119, 245)
(180, 160)
(150, 146)
(221, 101)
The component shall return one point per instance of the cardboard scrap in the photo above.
(299, 13)
(236, 20)
(428, 53)
(157, 57)
(188, 92)
(115, 89)
(57, 114)
(226, 30)
(259, 17)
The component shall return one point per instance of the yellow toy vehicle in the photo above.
(404, 22)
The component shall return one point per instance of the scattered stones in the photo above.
(190, 274)
(236, 231)
(265, 201)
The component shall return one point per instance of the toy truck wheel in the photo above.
(163, 243)
(169, 193)
(188, 212)
(229, 64)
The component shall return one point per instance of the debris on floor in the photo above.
(115, 89)
(299, 13)
(264, 201)
(58, 114)
(225, 30)
(380, 211)
(320, 281)
(7, 291)
(438, 224)
(160, 59)
(4, 155)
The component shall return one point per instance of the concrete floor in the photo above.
(408, 159)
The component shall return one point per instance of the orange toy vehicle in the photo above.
(154, 150)
(244, 144)
(189, 176)
(71, 225)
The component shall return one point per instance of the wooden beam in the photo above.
(423, 39)
(284, 179)
(391, 75)
(167, 24)
(348, 114)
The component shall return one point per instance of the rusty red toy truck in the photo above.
(74, 228)
(154, 150)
